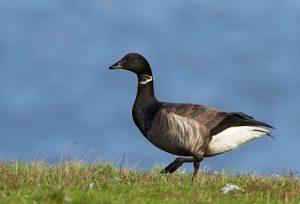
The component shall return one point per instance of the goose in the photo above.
(190, 131)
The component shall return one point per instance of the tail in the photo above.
(239, 119)
(233, 131)
(233, 137)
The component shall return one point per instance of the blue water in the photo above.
(59, 100)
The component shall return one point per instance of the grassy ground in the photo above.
(98, 183)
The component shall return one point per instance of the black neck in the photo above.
(145, 105)
(145, 94)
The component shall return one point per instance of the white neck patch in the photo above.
(145, 79)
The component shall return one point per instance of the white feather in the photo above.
(147, 78)
(233, 137)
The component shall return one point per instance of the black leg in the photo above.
(179, 161)
(174, 165)
(196, 168)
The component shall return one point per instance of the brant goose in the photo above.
(190, 131)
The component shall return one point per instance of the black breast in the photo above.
(143, 116)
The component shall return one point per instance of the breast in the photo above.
(178, 135)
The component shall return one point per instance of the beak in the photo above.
(116, 66)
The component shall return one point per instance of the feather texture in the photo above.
(177, 134)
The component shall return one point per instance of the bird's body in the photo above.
(188, 130)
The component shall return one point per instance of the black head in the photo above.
(133, 62)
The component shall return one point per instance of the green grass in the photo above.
(74, 182)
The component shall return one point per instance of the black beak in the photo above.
(116, 66)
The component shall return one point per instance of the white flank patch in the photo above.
(146, 79)
(232, 138)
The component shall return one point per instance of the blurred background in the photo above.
(58, 100)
